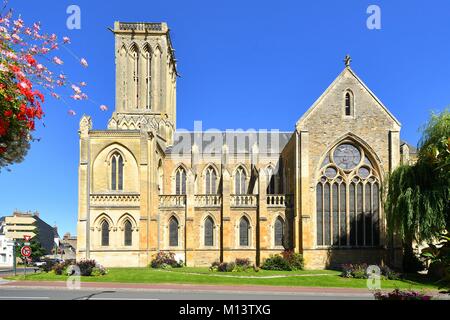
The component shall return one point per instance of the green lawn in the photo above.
(313, 278)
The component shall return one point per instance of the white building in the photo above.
(6, 247)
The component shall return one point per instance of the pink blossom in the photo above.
(84, 62)
(57, 61)
(76, 89)
(71, 113)
(76, 97)
(83, 84)
(62, 76)
(103, 107)
(66, 40)
(16, 37)
(18, 23)
(55, 95)
(40, 67)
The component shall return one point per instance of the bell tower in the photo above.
(146, 75)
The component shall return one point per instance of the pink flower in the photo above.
(55, 95)
(84, 62)
(76, 97)
(76, 89)
(103, 107)
(71, 113)
(57, 61)
(66, 40)
(62, 76)
(83, 84)
(18, 23)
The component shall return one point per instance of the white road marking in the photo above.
(121, 299)
(28, 298)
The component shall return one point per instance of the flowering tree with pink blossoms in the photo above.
(29, 66)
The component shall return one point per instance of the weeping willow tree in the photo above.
(417, 199)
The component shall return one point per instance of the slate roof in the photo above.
(238, 142)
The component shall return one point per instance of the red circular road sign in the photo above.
(25, 251)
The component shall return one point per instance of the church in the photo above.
(145, 187)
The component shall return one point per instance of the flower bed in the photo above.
(398, 294)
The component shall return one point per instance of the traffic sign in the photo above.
(25, 251)
(26, 243)
(27, 238)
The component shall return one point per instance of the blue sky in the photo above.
(245, 57)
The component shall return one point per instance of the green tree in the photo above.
(417, 200)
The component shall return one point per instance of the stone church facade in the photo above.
(145, 187)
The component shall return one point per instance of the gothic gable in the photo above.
(330, 106)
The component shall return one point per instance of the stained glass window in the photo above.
(209, 232)
(127, 233)
(105, 233)
(244, 230)
(279, 231)
(173, 232)
(347, 199)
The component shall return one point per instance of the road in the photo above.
(8, 291)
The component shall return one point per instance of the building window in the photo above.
(348, 199)
(244, 232)
(270, 181)
(209, 232)
(148, 78)
(128, 233)
(116, 172)
(348, 103)
(135, 69)
(279, 231)
(239, 181)
(105, 233)
(173, 232)
(210, 183)
(180, 181)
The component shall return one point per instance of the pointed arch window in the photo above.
(240, 181)
(209, 232)
(210, 181)
(116, 172)
(279, 231)
(180, 181)
(244, 232)
(135, 68)
(105, 233)
(128, 239)
(349, 103)
(173, 232)
(148, 76)
(270, 181)
(348, 199)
